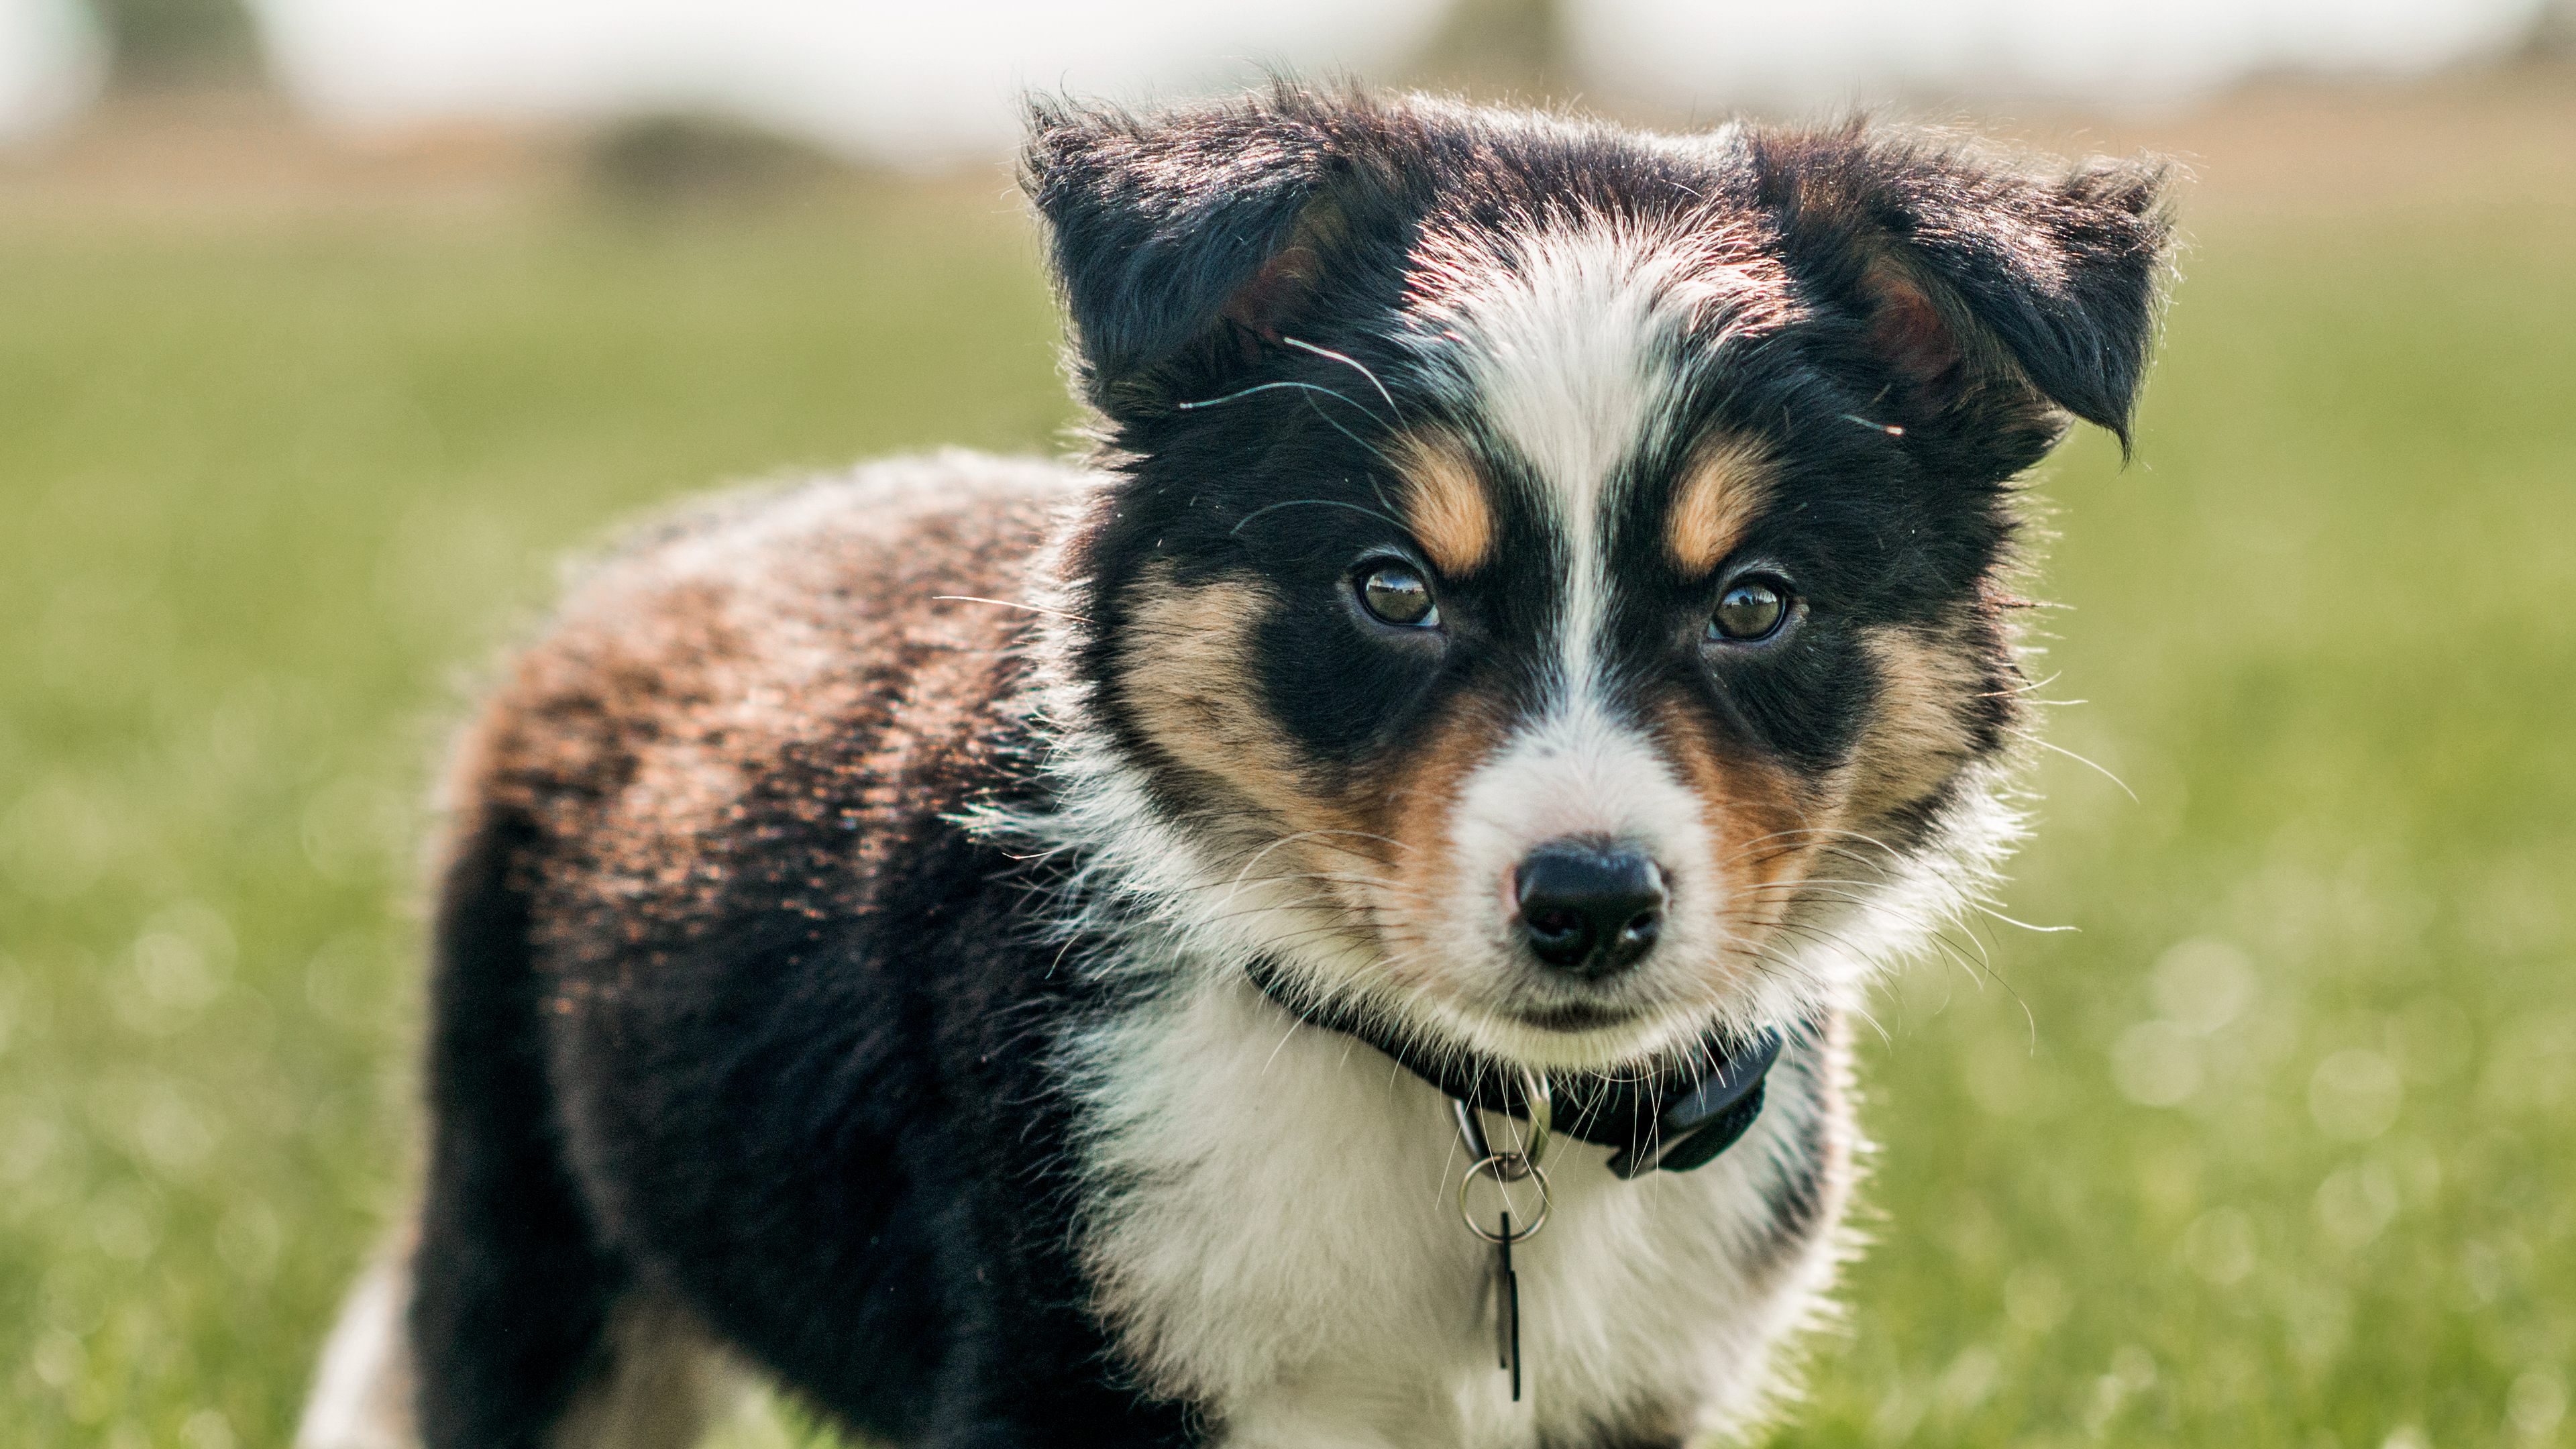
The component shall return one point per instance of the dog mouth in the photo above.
(1576, 1016)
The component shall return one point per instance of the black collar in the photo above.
(1678, 1115)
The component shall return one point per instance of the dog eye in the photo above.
(1396, 593)
(1751, 609)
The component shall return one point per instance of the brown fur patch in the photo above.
(1186, 670)
(1286, 283)
(1376, 842)
(1919, 734)
(1774, 828)
(743, 676)
(1908, 331)
(1416, 815)
(1444, 501)
(1727, 481)
(1759, 817)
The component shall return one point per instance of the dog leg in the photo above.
(663, 1386)
(511, 1292)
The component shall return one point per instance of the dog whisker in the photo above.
(1352, 363)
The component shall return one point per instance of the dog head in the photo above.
(1547, 589)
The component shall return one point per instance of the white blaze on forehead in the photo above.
(1564, 345)
(1569, 354)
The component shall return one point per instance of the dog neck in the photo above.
(1676, 1114)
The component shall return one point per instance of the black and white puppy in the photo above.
(1533, 638)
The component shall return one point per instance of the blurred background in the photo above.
(328, 326)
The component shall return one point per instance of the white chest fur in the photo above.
(1273, 1230)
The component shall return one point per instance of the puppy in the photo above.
(1327, 924)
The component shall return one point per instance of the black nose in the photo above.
(1589, 906)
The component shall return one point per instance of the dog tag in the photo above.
(1507, 1309)
(1502, 1168)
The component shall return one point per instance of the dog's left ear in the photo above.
(1991, 297)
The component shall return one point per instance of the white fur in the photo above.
(1283, 1244)
(362, 1394)
(1570, 357)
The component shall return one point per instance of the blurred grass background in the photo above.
(2271, 1150)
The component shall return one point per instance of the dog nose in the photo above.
(1589, 906)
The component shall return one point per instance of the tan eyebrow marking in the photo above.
(1726, 481)
(1444, 500)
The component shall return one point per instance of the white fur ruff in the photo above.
(1276, 1233)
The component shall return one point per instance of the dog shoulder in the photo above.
(871, 617)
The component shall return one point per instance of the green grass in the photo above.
(273, 488)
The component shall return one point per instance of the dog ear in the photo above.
(1991, 297)
(1182, 244)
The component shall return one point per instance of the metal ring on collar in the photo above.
(1541, 1106)
(1495, 1168)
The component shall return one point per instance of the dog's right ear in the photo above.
(1182, 244)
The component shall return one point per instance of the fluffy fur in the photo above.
(843, 978)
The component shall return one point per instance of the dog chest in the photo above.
(1273, 1233)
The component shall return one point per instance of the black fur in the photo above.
(502, 1215)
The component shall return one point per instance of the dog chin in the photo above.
(1569, 1036)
